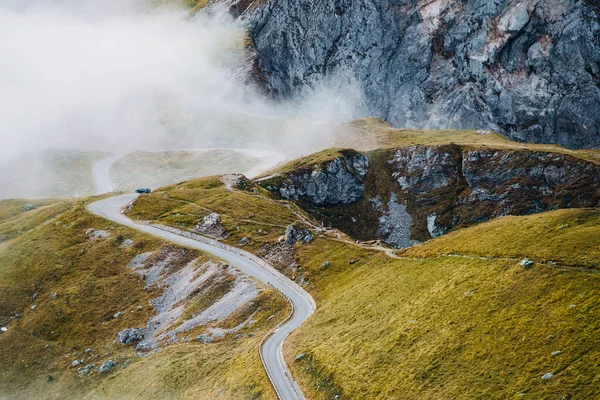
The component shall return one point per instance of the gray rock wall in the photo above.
(528, 69)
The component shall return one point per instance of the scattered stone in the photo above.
(563, 226)
(556, 353)
(470, 292)
(526, 263)
(33, 307)
(130, 335)
(96, 234)
(75, 363)
(300, 356)
(81, 372)
(572, 306)
(434, 230)
(211, 225)
(140, 307)
(239, 336)
(89, 350)
(107, 366)
(412, 321)
(547, 375)
(244, 241)
(54, 295)
(204, 338)
(127, 243)
(118, 314)
(4, 329)
(294, 234)
(29, 207)
(353, 261)
(326, 264)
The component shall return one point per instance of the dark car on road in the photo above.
(143, 190)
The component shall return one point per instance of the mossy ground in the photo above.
(77, 284)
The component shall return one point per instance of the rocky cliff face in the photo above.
(528, 69)
(416, 193)
(338, 182)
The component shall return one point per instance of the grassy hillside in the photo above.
(371, 133)
(50, 173)
(451, 327)
(59, 290)
(156, 169)
(456, 317)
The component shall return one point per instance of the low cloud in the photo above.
(119, 76)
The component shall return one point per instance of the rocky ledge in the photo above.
(407, 195)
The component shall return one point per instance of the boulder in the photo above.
(107, 366)
(526, 263)
(293, 235)
(211, 225)
(130, 335)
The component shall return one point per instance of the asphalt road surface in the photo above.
(303, 304)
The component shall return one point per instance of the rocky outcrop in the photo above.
(211, 226)
(335, 182)
(130, 335)
(528, 69)
(294, 234)
(421, 192)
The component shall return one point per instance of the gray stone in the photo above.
(107, 366)
(204, 338)
(526, 263)
(336, 182)
(395, 224)
(117, 314)
(82, 371)
(556, 353)
(75, 363)
(300, 356)
(528, 69)
(130, 335)
(211, 225)
(326, 264)
(294, 234)
(244, 241)
(547, 376)
(29, 207)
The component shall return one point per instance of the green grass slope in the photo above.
(456, 317)
(59, 290)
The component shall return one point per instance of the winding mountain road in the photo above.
(302, 303)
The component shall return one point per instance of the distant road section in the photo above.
(266, 160)
(303, 304)
(100, 172)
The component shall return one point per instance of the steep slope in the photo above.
(91, 307)
(409, 194)
(456, 327)
(455, 317)
(528, 69)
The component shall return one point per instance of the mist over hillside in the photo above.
(118, 76)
